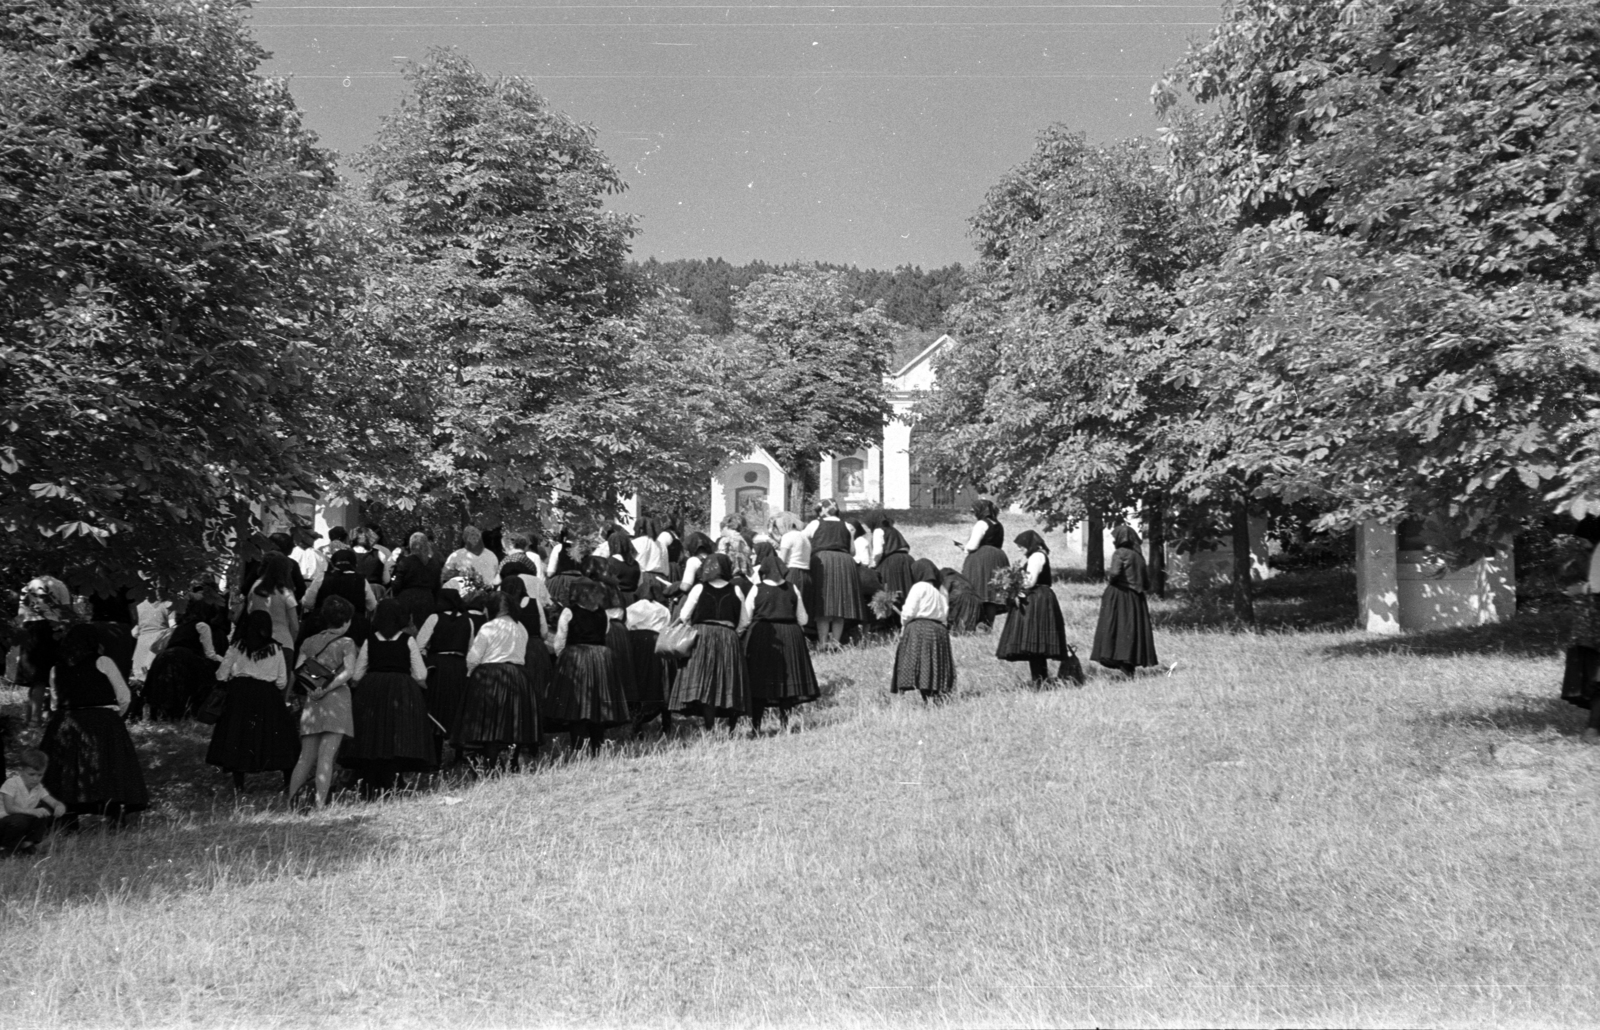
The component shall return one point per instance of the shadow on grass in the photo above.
(1531, 635)
(1535, 716)
(1309, 600)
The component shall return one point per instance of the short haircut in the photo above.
(519, 541)
(336, 611)
(338, 533)
(33, 760)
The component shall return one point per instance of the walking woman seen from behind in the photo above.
(326, 718)
(835, 576)
(1124, 639)
(984, 556)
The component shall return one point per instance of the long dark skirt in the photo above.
(836, 584)
(418, 603)
(1034, 628)
(447, 689)
(588, 688)
(92, 761)
(257, 732)
(923, 661)
(894, 572)
(965, 613)
(715, 681)
(801, 579)
(779, 664)
(499, 709)
(979, 568)
(178, 680)
(1124, 636)
(392, 728)
(651, 672)
(622, 653)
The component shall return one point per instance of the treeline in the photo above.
(909, 296)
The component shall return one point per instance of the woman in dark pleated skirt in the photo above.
(775, 649)
(835, 576)
(984, 556)
(922, 659)
(500, 713)
(393, 733)
(93, 768)
(645, 619)
(965, 608)
(1034, 630)
(588, 694)
(445, 638)
(1124, 638)
(716, 682)
(892, 554)
(184, 672)
(256, 731)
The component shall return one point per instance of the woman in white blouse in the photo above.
(923, 661)
(499, 713)
(256, 732)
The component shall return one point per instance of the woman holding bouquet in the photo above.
(1034, 630)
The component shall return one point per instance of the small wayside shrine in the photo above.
(755, 482)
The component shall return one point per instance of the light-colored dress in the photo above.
(152, 623)
(330, 713)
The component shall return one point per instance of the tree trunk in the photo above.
(1094, 548)
(1156, 536)
(1243, 599)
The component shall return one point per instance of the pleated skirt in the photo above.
(779, 664)
(716, 680)
(1124, 634)
(979, 569)
(965, 611)
(1034, 628)
(651, 672)
(178, 680)
(92, 761)
(392, 727)
(894, 572)
(499, 709)
(622, 653)
(923, 660)
(801, 579)
(588, 688)
(256, 732)
(836, 585)
(447, 689)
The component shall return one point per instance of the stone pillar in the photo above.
(874, 477)
(777, 490)
(1377, 579)
(830, 469)
(897, 466)
(719, 497)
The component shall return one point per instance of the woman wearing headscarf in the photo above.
(1123, 638)
(669, 537)
(835, 576)
(923, 661)
(623, 565)
(392, 732)
(588, 696)
(715, 683)
(1034, 630)
(185, 671)
(965, 608)
(892, 556)
(984, 556)
(93, 768)
(500, 709)
(775, 649)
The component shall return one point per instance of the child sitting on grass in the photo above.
(29, 810)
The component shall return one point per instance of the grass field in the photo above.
(1312, 828)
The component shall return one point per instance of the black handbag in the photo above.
(312, 675)
(1072, 668)
(210, 710)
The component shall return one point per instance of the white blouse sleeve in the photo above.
(361, 664)
(747, 611)
(800, 615)
(1036, 562)
(877, 544)
(975, 539)
(109, 670)
(687, 611)
(561, 630)
(419, 669)
(425, 634)
(479, 648)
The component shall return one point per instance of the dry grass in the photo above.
(1305, 829)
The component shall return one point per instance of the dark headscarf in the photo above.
(698, 544)
(716, 566)
(893, 540)
(925, 571)
(587, 594)
(450, 600)
(1135, 572)
(767, 562)
(621, 545)
(1031, 541)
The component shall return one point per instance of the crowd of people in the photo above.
(389, 662)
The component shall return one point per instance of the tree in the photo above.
(168, 285)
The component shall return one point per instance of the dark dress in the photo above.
(447, 666)
(979, 569)
(93, 763)
(352, 586)
(1124, 637)
(966, 609)
(922, 659)
(627, 575)
(652, 673)
(1034, 627)
(775, 651)
(894, 568)
(393, 733)
(415, 582)
(588, 688)
(622, 653)
(256, 732)
(715, 681)
(181, 676)
(835, 576)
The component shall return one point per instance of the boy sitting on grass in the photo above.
(29, 810)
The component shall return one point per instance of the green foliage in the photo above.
(166, 283)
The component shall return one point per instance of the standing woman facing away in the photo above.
(715, 683)
(922, 660)
(255, 732)
(588, 696)
(274, 594)
(444, 640)
(984, 556)
(647, 550)
(93, 767)
(393, 734)
(326, 718)
(414, 581)
(499, 710)
(775, 649)
(1123, 638)
(696, 549)
(1034, 630)
(835, 577)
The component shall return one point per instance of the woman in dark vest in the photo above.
(984, 556)
(444, 640)
(256, 731)
(835, 577)
(623, 566)
(94, 768)
(1034, 630)
(1123, 638)
(588, 696)
(893, 557)
(343, 580)
(393, 735)
(185, 671)
(415, 579)
(776, 656)
(715, 683)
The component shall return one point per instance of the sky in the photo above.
(862, 134)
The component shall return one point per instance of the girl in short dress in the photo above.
(715, 683)
(1034, 630)
(984, 556)
(326, 718)
(922, 660)
(775, 649)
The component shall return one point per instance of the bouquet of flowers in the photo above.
(884, 604)
(1005, 586)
